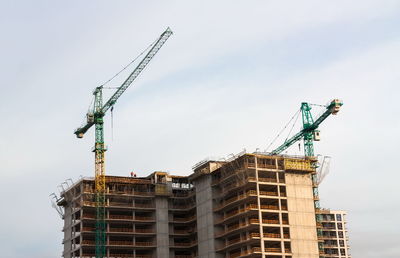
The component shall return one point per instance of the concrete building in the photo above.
(334, 234)
(253, 205)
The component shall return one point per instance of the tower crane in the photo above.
(96, 117)
(310, 133)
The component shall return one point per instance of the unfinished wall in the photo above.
(162, 227)
(205, 217)
(67, 241)
(303, 235)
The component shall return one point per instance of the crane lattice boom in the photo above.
(152, 52)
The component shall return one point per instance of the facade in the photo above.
(335, 235)
(253, 205)
(145, 217)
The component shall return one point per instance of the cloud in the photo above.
(230, 77)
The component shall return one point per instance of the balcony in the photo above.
(235, 241)
(144, 231)
(144, 219)
(183, 244)
(120, 217)
(88, 229)
(183, 206)
(184, 231)
(265, 221)
(144, 205)
(88, 216)
(254, 250)
(139, 193)
(328, 237)
(145, 244)
(272, 235)
(183, 194)
(121, 243)
(268, 179)
(121, 230)
(183, 220)
(273, 249)
(233, 228)
(270, 207)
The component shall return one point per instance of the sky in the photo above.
(229, 78)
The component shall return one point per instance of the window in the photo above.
(338, 217)
(341, 243)
(340, 234)
(340, 226)
(342, 252)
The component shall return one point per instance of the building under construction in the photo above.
(334, 233)
(254, 205)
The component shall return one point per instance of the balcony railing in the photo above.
(184, 231)
(141, 218)
(120, 217)
(144, 205)
(144, 243)
(183, 219)
(143, 193)
(239, 240)
(184, 206)
(121, 230)
(88, 229)
(245, 253)
(272, 235)
(270, 207)
(267, 179)
(184, 244)
(273, 249)
(120, 243)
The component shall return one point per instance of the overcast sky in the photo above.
(230, 78)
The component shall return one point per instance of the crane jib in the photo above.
(153, 51)
(309, 127)
(142, 65)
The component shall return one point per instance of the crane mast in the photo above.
(96, 117)
(309, 133)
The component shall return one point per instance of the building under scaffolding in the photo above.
(253, 205)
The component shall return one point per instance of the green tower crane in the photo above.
(309, 133)
(96, 117)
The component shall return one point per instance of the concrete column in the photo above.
(205, 218)
(162, 226)
(259, 211)
(68, 230)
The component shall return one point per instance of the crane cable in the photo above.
(130, 63)
(279, 134)
(298, 114)
(113, 77)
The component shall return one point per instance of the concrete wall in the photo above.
(205, 217)
(67, 231)
(162, 226)
(303, 234)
